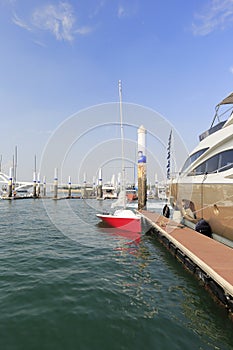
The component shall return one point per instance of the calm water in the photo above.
(87, 287)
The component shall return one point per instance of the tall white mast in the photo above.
(122, 144)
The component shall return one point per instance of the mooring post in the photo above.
(44, 186)
(94, 186)
(156, 187)
(55, 184)
(34, 179)
(84, 189)
(10, 182)
(69, 187)
(142, 183)
(100, 187)
(38, 185)
(34, 184)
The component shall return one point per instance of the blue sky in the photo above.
(61, 57)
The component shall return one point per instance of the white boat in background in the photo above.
(162, 195)
(131, 194)
(204, 187)
(109, 191)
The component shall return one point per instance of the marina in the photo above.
(116, 175)
(190, 199)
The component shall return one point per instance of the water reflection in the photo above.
(157, 286)
(190, 305)
(134, 281)
(128, 236)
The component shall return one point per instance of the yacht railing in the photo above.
(225, 167)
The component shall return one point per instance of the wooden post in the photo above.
(10, 182)
(38, 185)
(34, 184)
(15, 165)
(142, 182)
(156, 187)
(85, 195)
(44, 186)
(94, 187)
(55, 184)
(34, 178)
(69, 187)
(142, 186)
(100, 187)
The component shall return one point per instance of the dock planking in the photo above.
(209, 260)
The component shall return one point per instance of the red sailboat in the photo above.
(124, 219)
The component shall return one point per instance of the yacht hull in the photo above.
(204, 187)
(211, 201)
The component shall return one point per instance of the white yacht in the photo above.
(204, 187)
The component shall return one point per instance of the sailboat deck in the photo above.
(209, 259)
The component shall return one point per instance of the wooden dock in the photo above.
(209, 260)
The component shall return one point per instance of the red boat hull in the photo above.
(126, 224)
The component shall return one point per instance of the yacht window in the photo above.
(192, 158)
(212, 164)
(226, 160)
(201, 169)
(219, 162)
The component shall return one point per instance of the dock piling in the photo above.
(34, 185)
(69, 187)
(100, 187)
(142, 182)
(10, 182)
(44, 186)
(38, 185)
(55, 184)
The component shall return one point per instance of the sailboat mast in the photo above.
(122, 143)
(122, 139)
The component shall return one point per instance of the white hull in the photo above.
(204, 188)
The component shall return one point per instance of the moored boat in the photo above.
(109, 191)
(204, 187)
(123, 219)
(131, 194)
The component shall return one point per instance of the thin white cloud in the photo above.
(127, 9)
(121, 12)
(99, 6)
(84, 30)
(57, 19)
(218, 14)
(19, 22)
(39, 43)
(231, 69)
